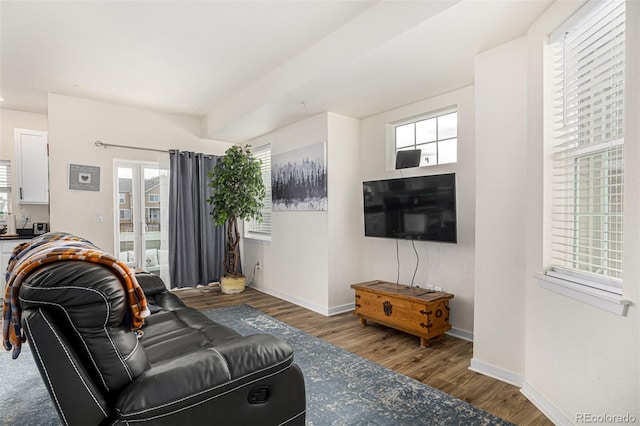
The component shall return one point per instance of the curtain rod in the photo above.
(107, 145)
(101, 144)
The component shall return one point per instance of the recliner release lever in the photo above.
(259, 394)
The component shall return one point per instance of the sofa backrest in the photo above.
(88, 303)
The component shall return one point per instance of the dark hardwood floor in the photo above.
(443, 365)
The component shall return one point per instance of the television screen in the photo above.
(416, 208)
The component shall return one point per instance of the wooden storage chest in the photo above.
(418, 311)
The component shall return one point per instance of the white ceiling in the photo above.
(249, 67)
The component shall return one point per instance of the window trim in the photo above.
(148, 210)
(391, 133)
(614, 303)
(600, 291)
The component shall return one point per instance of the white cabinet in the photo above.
(32, 166)
(7, 247)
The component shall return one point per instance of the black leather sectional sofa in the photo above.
(184, 370)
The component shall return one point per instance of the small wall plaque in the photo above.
(84, 178)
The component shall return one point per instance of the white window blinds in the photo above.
(5, 186)
(253, 227)
(587, 229)
(5, 176)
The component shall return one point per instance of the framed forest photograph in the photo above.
(299, 179)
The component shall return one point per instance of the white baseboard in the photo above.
(305, 304)
(536, 398)
(544, 405)
(460, 334)
(341, 309)
(495, 372)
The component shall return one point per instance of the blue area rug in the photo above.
(345, 389)
(342, 388)
(23, 398)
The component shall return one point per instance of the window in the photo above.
(142, 230)
(122, 197)
(436, 136)
(5, 186)
(152, 215)
(587, 55)
(253, 228)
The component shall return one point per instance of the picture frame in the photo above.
(299, 179)
(84, 178)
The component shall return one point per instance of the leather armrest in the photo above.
(150, 284)
(254, 353)
(199, 376)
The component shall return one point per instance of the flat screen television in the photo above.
(414, 208)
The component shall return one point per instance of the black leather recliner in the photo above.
(184, 370)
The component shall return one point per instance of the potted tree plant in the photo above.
(238, 192)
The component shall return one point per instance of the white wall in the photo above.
(450, 266)
(75, 124)
(10, 120)
(312, 257)
(579, 358)
(294, 264)
(501, 211)
(345, 211)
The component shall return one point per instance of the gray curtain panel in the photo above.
(196, 246)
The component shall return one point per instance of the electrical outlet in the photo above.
(258, 265)
(25, 217)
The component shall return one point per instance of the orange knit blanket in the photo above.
(53, 247)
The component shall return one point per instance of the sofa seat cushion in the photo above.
(200, 361)
(221, 369)
(168, 334)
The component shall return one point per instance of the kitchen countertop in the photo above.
(23, 234)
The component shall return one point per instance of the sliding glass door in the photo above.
(142, 234)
